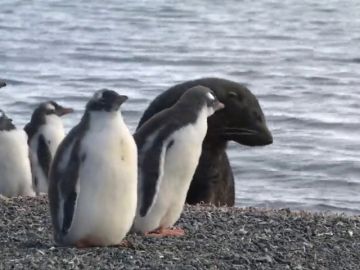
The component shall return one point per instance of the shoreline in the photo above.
(216, 238)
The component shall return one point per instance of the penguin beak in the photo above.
(121, 99)
(62, 111)
(218, 105)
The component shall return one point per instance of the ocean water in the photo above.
(300, 58)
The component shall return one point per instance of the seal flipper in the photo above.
(44, 155)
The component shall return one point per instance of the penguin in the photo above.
(2, 84)
(15, 171)
(93, 178)
(169, 146)
(45, 132)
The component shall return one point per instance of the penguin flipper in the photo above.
(44, 155)
(152, 170)
(30, 131)
(70, 188)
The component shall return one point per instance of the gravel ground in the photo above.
(217, 238)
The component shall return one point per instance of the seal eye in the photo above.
(233, 94)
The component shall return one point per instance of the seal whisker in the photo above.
(235, 131)
(238, 133)
(241, 130)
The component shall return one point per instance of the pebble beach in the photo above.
(216, 238)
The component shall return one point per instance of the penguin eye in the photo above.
(50, 111)
(210, 96)
(98, 96)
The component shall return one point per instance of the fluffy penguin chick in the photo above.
(93, 178)
(15, 171)
(45, 132)
(169, 147)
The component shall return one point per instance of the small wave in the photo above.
(278, 204)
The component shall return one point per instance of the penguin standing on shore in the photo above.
(15, 171)
(93, 179)
(169, 147)
(45, 132)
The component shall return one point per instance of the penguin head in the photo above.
(53, 108)
(201, 96)
(5, 122)
(106, 100)
(2, 84)
(45, 112)
(213, 104)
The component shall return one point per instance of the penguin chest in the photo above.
(15, 172)
(182, 155)
(43, 147)
(53, 135)
(108, 186)
(180, 163)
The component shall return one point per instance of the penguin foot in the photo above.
(84, 243)
(87, 243)
(92, 242)
(166, 232)
(126, 244)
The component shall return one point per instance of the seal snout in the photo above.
(260, 136)
(267, 138)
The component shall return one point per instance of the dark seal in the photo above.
(241, 121)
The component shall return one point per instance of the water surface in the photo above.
(301, 58)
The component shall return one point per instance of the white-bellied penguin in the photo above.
(169, 147)
(93, 178)
(45, 132)
(15, 171)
